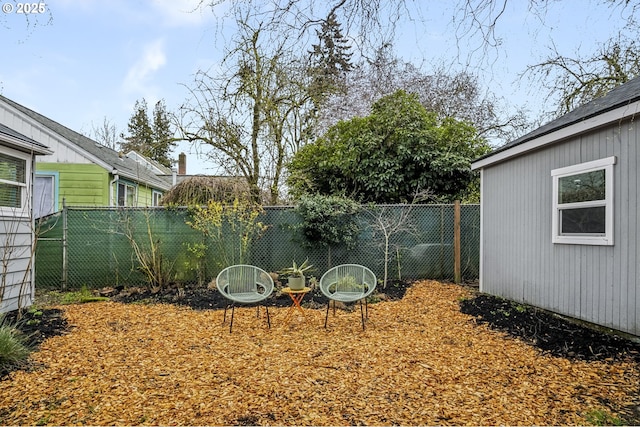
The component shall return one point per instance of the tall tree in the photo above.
(476, 25)
(448, 94)
(250, 114)
(151, 139)
(140, 137)
(162, 133)
(399, 150)
(329, 64)
(330, 59)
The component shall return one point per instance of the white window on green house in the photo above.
(44, 194)
(126, 194)
(157, 198)
(14, 170)
(583, 203)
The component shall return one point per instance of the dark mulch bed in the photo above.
(549, 332)
(203, 298)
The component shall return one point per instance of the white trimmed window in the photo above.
(157, 198)
(126, 194)
(14, 181)
(583, 203)
(45, 194)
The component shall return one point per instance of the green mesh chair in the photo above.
(244, 284)
(348, 283)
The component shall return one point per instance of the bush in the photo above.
(329, 220)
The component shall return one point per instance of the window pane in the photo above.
(582, 187)
(121, 194)
(12, 169)
(10, 196)
(43, 194)
(582, 221)
(131, 195)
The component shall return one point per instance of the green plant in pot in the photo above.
(295, 274)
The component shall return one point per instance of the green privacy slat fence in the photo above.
(95, 247)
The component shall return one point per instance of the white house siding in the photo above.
(62, 153)
(16, 237)
(598, 284)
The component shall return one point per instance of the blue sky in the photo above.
(97, 57)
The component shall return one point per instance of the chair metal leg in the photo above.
(268, 319)
(224, 318)
(362, 314)
(327, 316)
(233, 308)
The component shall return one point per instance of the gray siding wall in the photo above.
(599, 284)
(16, 268)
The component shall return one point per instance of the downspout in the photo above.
(174, 178)
(116, 177)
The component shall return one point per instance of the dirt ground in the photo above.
(446, 365)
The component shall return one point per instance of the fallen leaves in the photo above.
(419, 362)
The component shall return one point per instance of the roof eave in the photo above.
(25, 146)
(579, 127)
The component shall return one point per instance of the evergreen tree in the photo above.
(155, 140)
(163, 140)
(330, 60)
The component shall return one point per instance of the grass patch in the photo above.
(13, 347)
(598, 417)
(82, 296)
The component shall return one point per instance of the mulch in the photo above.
(420, 361)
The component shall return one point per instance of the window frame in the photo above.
(605, 239)
(156, 198)
(127, 196)
(24, 210)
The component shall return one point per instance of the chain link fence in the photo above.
(99, 247)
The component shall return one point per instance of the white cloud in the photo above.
(151, 60)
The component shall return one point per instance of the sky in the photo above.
(95, 58)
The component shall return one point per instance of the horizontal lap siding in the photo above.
(80, 185)
(15, 246)
(594, 283)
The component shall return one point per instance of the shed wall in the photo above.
(598, 284)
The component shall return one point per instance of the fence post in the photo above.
(65, 255)
(456, 242)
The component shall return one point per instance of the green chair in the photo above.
(244, 284)
(348, 283)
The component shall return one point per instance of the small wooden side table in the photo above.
(296, 298)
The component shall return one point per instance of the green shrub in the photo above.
(13, 348)
(328, 221)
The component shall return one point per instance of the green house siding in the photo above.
(145, 197)
(88, 185)
(80, 184)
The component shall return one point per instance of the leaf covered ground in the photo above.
(421, 361)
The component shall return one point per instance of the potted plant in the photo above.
(295, 274)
